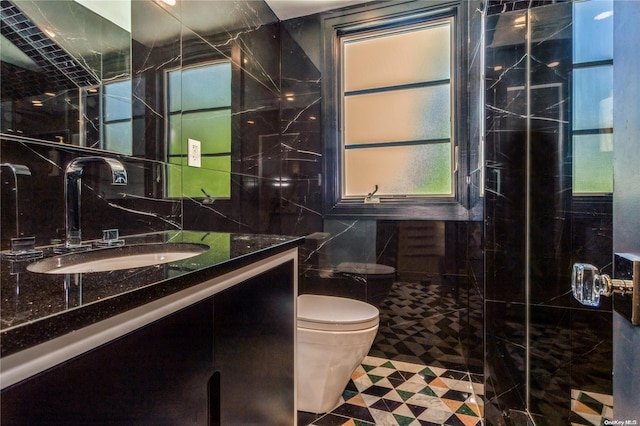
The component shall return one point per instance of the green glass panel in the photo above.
(211, 128)
(593, 164)
(175, 134)
(214, 177)
(174, 177)
(118, 137)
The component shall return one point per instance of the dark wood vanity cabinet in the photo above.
(254, 332)
(227, 359)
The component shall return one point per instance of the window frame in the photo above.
(375, 18)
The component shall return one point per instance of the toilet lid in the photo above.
(331, 313)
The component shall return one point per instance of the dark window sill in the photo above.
(406, 210)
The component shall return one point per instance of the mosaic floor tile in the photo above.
(397, 393)
(416, 372)
(590, 408)
(420, 325)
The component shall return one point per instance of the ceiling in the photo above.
(287, 9)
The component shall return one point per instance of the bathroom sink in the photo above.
(118, 258)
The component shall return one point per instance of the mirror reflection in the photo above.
(66, 73)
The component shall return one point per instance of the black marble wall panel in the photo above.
(155, 51)
(301, 143)
(246, 33)
(549, 106)
(472, 235)
(505, 160)
(550, 363)
(505, 360)
(104, 206)
(255, 136)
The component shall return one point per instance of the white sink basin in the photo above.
(118, 258)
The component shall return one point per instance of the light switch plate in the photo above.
(194, 153)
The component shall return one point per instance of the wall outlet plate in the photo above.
(194, 155)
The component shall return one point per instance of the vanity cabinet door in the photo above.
(254, 330)
(158, 374)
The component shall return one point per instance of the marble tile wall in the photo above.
(537, 338)
(456, 263)
(41, 205)
(245, 33)
(277, 162)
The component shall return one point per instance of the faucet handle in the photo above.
(118, 176)
(110, 238)
(23, 248)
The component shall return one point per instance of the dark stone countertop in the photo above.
(37, 307)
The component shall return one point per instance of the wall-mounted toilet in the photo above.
(334, 334)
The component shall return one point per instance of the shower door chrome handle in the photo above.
(588, 285)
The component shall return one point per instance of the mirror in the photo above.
(66, 72)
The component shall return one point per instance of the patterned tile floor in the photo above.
(590, 408)
(416, 372)
(390, 393)
(421, 323)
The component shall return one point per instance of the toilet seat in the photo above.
(329, 313)
(366, 269)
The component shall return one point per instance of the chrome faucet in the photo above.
(72, 190)
(16, 170)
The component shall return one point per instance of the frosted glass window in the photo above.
(117, 133)
(213, 177)
(174, 176)
(118, 137)
(592, 31)
(174, 135)
(417, 54)
(202, 112)
(592, 98)
(593, 163)
(117, 101)
(403, 115)
(211, 128)
(206, 87)
(409, 170)
(397, 111)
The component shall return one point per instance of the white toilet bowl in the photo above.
(334, 335)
